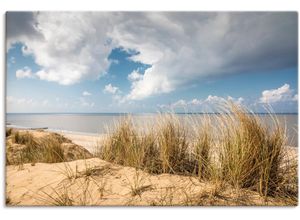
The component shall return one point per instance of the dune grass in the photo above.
(162, 150)
(123, 146)
(251, 153)
(47, 149)
(236, 148)
(173, 145)
(8, 132)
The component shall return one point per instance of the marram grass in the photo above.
(235, 148)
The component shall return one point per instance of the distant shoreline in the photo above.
(53, 130)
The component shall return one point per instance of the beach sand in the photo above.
(88, 141)
(97, 182)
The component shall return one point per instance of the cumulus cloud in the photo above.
(181, 48)
(86, 93)
(179, 103)
(69, 47)
(210, 101)
(135, 76)
(196, 102)
(111, 89)
(238, 101)
(214, 99)
(24, 73)
(21, 27)
(281, 94)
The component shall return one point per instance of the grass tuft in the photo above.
(251, 152)
(236, 147)
(47, 149)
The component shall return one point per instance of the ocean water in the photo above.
(99, 123)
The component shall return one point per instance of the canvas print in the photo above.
(151, 108)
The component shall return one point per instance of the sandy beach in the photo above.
(88, 141)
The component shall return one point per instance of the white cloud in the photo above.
(186, 48)
(281, 94)
(86, 93)
(135, 76)
(210, 101)
(214, 99)
(24, 73)
(238, 101)
(196, 102)
(111, 89)
(182, 48)
(179, 103)
(69, 47)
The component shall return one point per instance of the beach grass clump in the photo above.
(46, 149)
(161, 149)
(127, 146)
(235, 147)
(151, 154)
(202, 149)
(173, 145)
(8, 132)
(23, 138)
(123, 145)
(251, 153)
(51, 150)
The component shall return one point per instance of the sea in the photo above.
(101, 123)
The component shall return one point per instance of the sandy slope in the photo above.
(97, 182)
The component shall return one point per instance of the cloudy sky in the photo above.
(145, 62)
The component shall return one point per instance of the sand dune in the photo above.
(97, 182)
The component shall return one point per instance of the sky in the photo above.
(142, 62)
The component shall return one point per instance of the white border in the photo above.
(135, 213)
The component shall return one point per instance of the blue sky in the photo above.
(149, 62)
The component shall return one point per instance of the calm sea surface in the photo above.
(98, 123)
